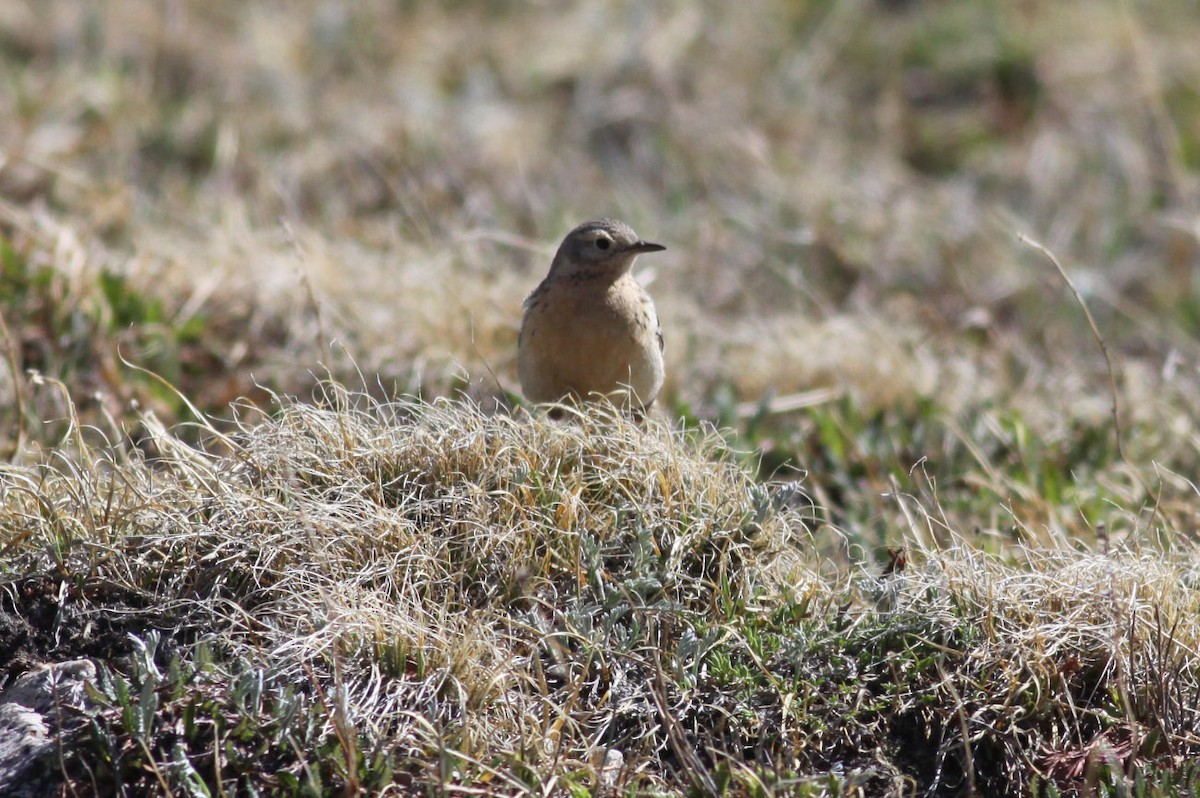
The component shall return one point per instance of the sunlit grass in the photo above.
(883, 507)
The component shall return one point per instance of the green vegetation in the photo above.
(897, 529)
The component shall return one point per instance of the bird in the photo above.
(590, 329)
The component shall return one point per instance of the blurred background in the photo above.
(243, 197)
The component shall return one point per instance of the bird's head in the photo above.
(605, 247)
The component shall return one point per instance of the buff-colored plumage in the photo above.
(590, 328)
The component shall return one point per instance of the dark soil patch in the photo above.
(47, 619)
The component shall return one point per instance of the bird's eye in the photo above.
(603, 243)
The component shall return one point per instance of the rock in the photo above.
(36, 712)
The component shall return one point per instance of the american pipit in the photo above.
(590, 328)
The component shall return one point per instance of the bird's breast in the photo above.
(580, 338)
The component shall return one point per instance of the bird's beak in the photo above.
(646, 246)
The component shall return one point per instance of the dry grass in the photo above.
(520, 598)
(261, 203)
(415, 553)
